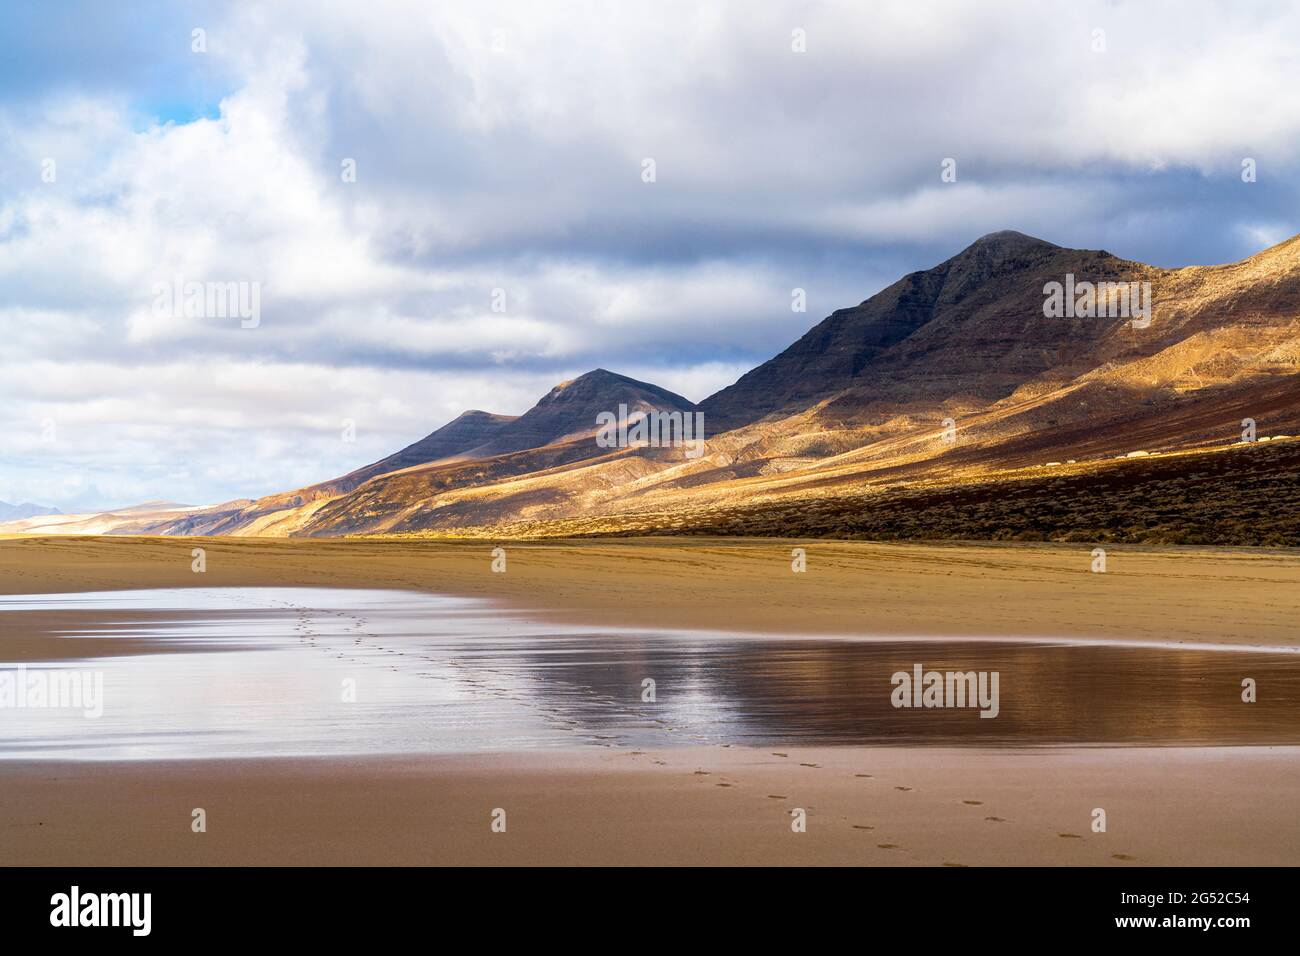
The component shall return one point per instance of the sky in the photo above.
(450, 206)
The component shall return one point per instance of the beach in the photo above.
(689, 804)
(679, 807)
(1201, 596)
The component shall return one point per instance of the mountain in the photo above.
(971, 325)
(569, 411)
(10, 512)
(526, 466)
(475, 448)
(859, 404)
(954, 388)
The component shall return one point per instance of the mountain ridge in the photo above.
(25, 509)
(948, 374)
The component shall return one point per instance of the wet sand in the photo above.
(429, 674)
(865, 806)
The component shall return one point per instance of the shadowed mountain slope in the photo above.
(569, 411)
(971, 325)
(459, 436)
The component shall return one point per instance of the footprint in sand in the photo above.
(1122, 856)
(780, 755)
(723, 785)
(701, 773)
(903, 788)
(887, 846)
(973, 803)
(777, 796)
(862, 826)
(808, 765)
(996, 819)
(955, 864)
(1070, 836)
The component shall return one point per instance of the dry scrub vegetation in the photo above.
(1241, 495)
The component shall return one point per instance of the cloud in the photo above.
(500, 146)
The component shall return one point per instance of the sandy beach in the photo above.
(684, 805)
(1232, 596)
(865, 806)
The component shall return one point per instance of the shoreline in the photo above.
(1211, 597)
(40, 636)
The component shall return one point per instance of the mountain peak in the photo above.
(477, 414)
(1008, 242)
(597, 376)
(570, 409)
(600, 382)
(954, 321)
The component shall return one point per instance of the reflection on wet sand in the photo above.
(320, 671)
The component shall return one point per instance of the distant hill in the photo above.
(134, 519)
(10, 512)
